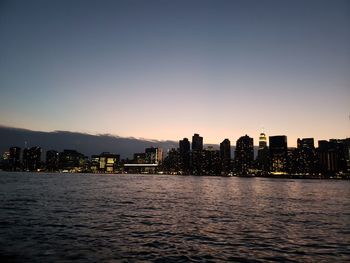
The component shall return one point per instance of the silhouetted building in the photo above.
(244, 155)
(196, 154)
(71, 160)
(4, 161)
(278, 154)
(225, 156)
(332, 157)
(304, 158)
(211, 163)
(14, 160)
(32, 159)
(154, 155)
(184, 156)
(197, 142)
(139, 158)
(262, 159)
(171, 163)
(52, 160)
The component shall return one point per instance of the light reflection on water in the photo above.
(52, 217)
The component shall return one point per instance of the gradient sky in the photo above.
(166, 69)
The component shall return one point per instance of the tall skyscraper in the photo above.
(244, 155)
(197, 142)
(304, 159)
(225, 156)
(262, 141)
(197, 155)
(185, 155)
(278, 153)
(263, 154)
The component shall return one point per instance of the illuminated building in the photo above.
(304, 160)
(244, 155)
(108, 162)
(225, 156)
(278, 154)
(263, 154)
(262, 141)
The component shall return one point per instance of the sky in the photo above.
(167, 69)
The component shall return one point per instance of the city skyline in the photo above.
(166, 69)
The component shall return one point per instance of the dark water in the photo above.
(132, 218)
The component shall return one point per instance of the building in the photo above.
(154, 155)
(171, 163)
(211, 162)
(72, 161)
(197, 142)
(196, 154)
(52, 160)
(304, 159)
(14, 159)
(139, 158)
(278, 150)
(184, 156)
(332, 157)
(262, 159)
(244, 155)
(4, 161)
(32, 159)
(108, 162)
(225, 156)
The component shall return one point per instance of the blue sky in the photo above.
(167, 69)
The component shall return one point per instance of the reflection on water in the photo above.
(93, 218)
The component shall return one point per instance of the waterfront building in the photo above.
(139, 158)
(244, 155)
(304, 158)
(262, 159)
(52, 160)
(154, 155)
(278, 154)
(171, 163)
(184, 156)
(211, 162)
(197, 143)
(72, 160)
(32, 158)
(225, 156)
(14, 160)
(94, 163)
(108, 162)
(332, 157)
(196, 154)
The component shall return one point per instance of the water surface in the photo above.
(162, 218)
